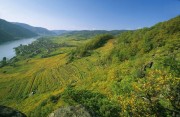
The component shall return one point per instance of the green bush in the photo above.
(172, 64)
(96, 103)
(43, 103)
(86, 49)
(54, 98)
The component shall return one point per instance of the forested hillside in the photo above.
(132, 73)
(9, 31)
(38, 30)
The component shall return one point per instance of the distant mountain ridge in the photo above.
(86, 34)
(59, 32)
(10, 31)
(38, 30)
(41, 31)
(15, 30)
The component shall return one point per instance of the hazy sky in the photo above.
(89, 14)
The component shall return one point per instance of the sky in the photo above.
(89, 14)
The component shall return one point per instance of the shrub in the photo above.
(96, 103)
(43, 103)
(173, 65)
(54, 98)
(84, 50)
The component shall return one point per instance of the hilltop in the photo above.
(9, 31)
(38, 30)
(131, 73)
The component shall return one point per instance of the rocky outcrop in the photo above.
(71, 111)
(10, 112)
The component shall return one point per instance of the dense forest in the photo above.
(121, 74)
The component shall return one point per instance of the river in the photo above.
(7, 48)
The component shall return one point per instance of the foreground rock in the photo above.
(71, 111)
(10, 112)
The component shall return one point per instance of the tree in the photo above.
(3, 62)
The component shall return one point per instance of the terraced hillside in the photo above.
(134, 74)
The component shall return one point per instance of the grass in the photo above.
(49, 76)
(44, 76)
(101, 73)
